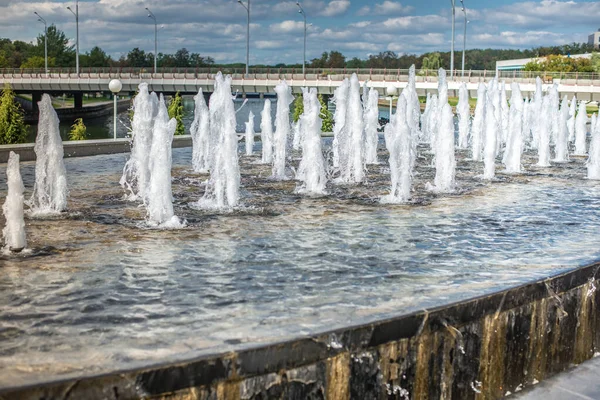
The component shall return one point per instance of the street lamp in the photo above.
(150, 15)
(452, 48)
(115, 86)
(301, 11)
(76, 14)
(247, 34)
(464, 10)
(42, 20)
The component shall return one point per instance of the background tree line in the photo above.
(19, 54)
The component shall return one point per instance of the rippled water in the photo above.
(101, 292)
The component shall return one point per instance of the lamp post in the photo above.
(452, 48)
(150, 15)
(76, 14)
(464, 10)
(247, 34)
(42, 20)
(301, 11)
(115, 86)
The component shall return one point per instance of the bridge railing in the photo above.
(311, 74)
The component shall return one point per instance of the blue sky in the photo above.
(357, 28)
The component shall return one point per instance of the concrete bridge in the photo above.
(187, 81)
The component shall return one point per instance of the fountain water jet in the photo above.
(200, 132)
(371, 118)
(266, 133)
(445, 162)
(222, 189)
(413, 107)
(136, 173)
(561, 148)
(571, 121)
(352, 147)
(581, 130)
(399, 141)
(312, 168)
(14, 230)
(593, 162)
(491, 138)
(282, 129)
(249, 136)
(544, 134)
(159, 203)
(340, 99)
(464, 116)
(50, 190)
(514, 142)
(478, 127)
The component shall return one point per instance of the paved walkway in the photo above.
(580, 382)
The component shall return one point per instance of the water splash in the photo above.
(159, 205)
(593, 161)
(464, 116)
(340, 99)
(266, 133)
(581, 130)
(445, 162)
(200, 132)
(399, 142)
(249, 136)
(413, 107)
(311, 170)
(545, 125)
(136, 173)
(282, 129)
(14, 230)
(491, 138)
(478, 127)
(371, 118)
(561, 148)
(352, 146)
(50, 190)
(514, 143)
(571, 121)
(222, 189)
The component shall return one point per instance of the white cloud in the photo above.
(287, 27)
(390, 8)
(416, 24)
(269, 44)
(364, 11)
(335, 7)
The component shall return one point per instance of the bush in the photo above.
(176, 111)
(78, 130)
(325, 114)
(12, 125)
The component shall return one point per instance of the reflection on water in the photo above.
(112, 294)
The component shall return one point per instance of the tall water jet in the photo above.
(398, 140)
(136, 173)
(296, 136)
(445, 163)
(544, 134)
(433, 122)
(222, 189)
(442, 90)
(536, 114)
(413, 107)
(491, 139)
(553, 114)
(425, 135)
(200, 132)
(526, 133)
(282, 129)
(504, 113)
(352, 159)
(50, 188)
(371, 118)
(266, 133)
(581, 130)
(311, 170)
(478, 127)
(14, 230)
(249, 136)
(593, 162)
(571, 121)
(340, 99)
(159, 203)
(514, 142)
(561, 148)
(464, 116)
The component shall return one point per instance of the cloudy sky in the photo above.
(357, 28)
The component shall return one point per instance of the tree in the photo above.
(176, 111)
(298, 108)
(12, 126)
(432, 62)
(38, 62)
(325, 114)
(139, 58)
(95, 58)
(58, 47)
(78, 130)
(559, 63)
(333, 59)
(595, 62)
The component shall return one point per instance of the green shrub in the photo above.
(12, 125)
(325, 114)
(78, 130)
(176, 111)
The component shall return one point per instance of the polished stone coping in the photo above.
(336, 360)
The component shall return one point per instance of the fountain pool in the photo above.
(100, 289)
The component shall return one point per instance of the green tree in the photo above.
(595, 62)
(38, 62)
(432, 62)
(559, 63)
(95, 58)
(12, 126)
(78, 130)
(58, 47)
(176, 111)
(298, 108)
(139, 58)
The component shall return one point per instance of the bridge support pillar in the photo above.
(78, 100)
(35, 97)
(244, 95)
(261, 96)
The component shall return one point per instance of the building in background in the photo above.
(594, 39)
